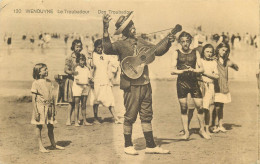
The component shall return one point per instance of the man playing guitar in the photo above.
(137, 92)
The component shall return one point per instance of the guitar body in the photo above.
(133, 66)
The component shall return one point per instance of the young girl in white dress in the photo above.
(43, 105)
(103, 93)
(210, 74)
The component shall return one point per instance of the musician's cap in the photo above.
(122, 22)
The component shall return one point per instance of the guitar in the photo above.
(133, 66)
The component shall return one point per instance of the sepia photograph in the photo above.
(129, 81)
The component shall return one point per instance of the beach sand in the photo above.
(104, 143)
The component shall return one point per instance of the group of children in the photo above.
(92, 79)
(86, 78)
(210, 68)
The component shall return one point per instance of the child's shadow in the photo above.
(230, 126)
(60, 143)
(108, 119)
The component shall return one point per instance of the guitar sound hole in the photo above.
(143, 58)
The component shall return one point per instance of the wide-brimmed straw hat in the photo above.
(122, 22)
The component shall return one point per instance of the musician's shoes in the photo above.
(156, 150)
(130, 150)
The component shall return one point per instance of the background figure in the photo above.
(237, 39)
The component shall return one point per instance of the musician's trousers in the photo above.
(138, 99)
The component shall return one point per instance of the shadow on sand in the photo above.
(230, 126)
(60, 143)
(140, 144)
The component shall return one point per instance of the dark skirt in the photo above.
(68, 95)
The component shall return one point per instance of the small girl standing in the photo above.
(81, 88)
(210, 74)
(222, 94)
(70, 65)
(43, 105)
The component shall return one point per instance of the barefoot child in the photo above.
(222, 94)
(81, 88)
(43, 105)
(186, 63)
(208, 77)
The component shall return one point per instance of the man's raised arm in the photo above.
(107, 45)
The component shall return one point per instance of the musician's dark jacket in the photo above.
(124, 48)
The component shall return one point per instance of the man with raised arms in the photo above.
(137, 92)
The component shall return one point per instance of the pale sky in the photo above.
(150, 15)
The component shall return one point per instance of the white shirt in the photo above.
(100, 61)
(83, 74)
(209, 68)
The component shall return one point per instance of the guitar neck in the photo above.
(164, 40)
(151, 52)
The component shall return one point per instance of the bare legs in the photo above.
(185, 120)
(219, 116)
(208, 118)
(76, 115)
(71, 107)
(184, 117)
(83, 100)
(51, 137)
(95, 110)
(113, 112)
(39, 137)
(83, 110)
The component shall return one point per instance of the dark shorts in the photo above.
(185, 86)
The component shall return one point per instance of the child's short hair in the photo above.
(76, 41)
(184, 34)
(82, 57)
(37, 69)
(207, 46)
